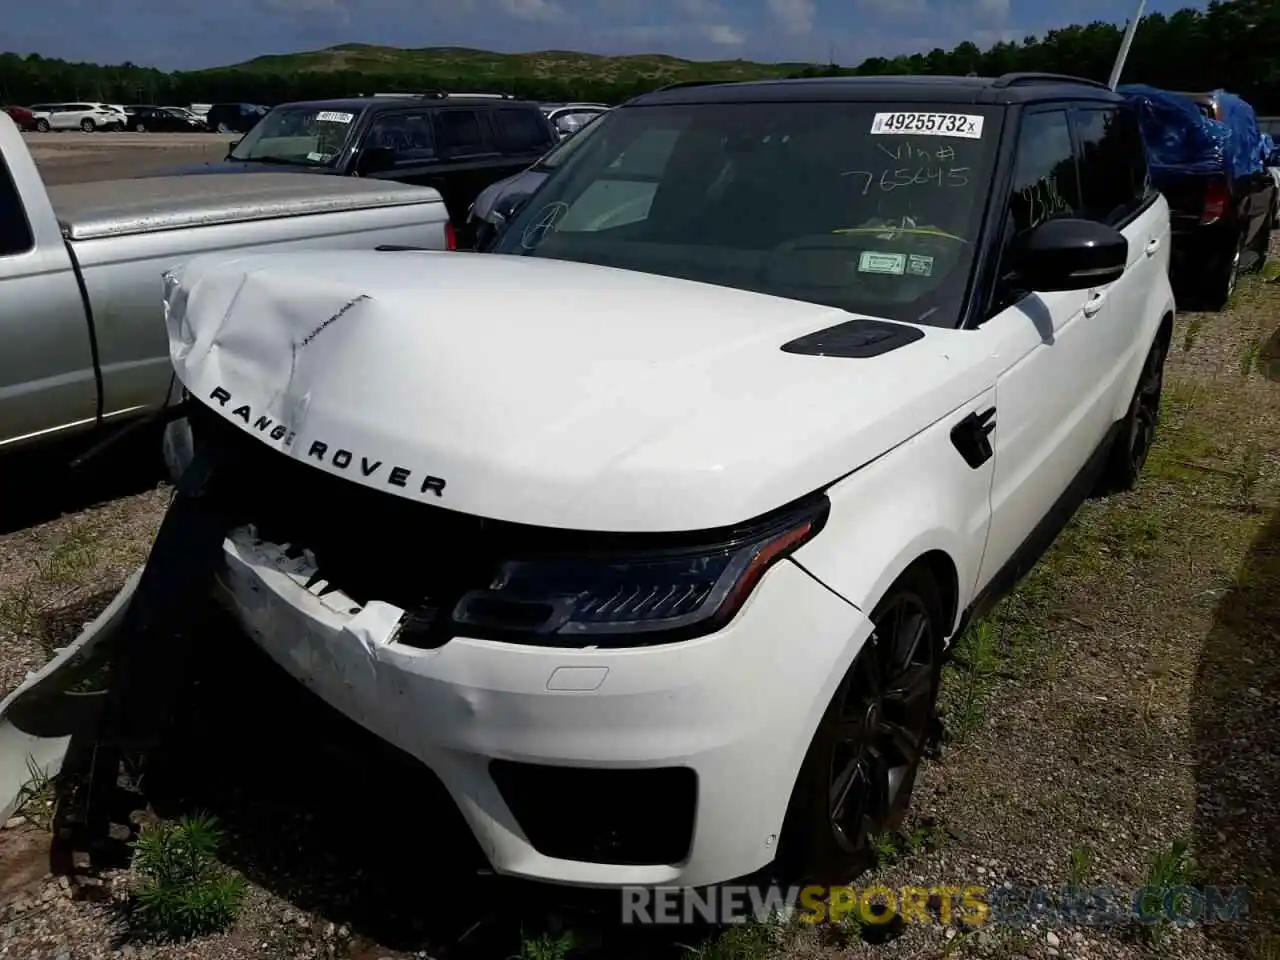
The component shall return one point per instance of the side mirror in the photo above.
(375, 160)
(1069, 254)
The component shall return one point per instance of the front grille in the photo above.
(374, 545)
(625, 817)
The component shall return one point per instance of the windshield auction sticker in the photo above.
(965, 125)
(892, 263)
(335, 116)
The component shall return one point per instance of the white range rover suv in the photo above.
(648, 531)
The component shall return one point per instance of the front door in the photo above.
(1050, 404)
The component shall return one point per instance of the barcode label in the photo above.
(965, 125)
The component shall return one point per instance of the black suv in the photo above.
(454, 143)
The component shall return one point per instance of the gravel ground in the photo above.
(1124, 699)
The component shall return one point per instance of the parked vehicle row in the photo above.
(1207, 157)
(456, 144)
(71, 255)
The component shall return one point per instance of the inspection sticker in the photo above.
(919, 265)
(892, 263)
(336, 116)
(965, 125)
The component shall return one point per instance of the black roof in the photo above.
(359, 104)
(1006, 89)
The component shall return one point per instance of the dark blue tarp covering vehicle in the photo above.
(1204, 151)
(1181, 140)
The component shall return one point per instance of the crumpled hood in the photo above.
(545, 392)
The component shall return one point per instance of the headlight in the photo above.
(617, 597)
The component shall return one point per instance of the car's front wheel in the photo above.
(87, 125)
(1138, 429)
(42, 126)
(860, 769)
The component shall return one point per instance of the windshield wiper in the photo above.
(280, 161)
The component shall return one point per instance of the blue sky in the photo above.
(191, 34)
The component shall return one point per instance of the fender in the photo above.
(920, 499)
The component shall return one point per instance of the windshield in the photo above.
(305, 136)
(564, 149)
(872, 208)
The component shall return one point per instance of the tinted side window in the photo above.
(523, 131)
(1045, 181)
(15, 231)
(460, 132)
(408, 134)
(1113, 164)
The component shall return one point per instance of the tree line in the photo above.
(1234, 44)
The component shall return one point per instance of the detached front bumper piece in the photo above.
(664, 765)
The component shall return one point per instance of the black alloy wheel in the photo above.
(884, 716)
(1137, 433)
(1146, 408)
(860, 769)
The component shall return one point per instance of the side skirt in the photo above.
(1045, 533)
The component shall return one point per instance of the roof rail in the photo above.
(681, 84)
(445, 95)
(1023, 79)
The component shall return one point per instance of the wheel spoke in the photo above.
(905, 744)
(910, 688)
(852, 783)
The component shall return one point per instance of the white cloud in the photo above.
(700, 10)
(542, 11)
(725, 35)
(794, 16)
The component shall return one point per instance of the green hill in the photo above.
(483, 65)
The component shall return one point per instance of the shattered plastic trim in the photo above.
(30, 717)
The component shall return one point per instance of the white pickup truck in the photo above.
(81, 266)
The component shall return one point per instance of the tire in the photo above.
(87, 125)
(177, 447)
(827, 834)
(1262, 248)
(1138, 429)
(223, 128)
(42, 126)
(139, 127)
(1224, 277)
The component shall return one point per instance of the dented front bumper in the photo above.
(691, 748)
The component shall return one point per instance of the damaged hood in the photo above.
(546, 392)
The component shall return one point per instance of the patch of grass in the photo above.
(184, 891)
(547, 946)
(58, 576)
(1081, 864)
(1192, 333)
(1170, 867)
(1250, 473)
(37, 796)
(1249, 355)
(741, 941)
(1266, 947)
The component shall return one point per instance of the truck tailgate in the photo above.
(108, 208)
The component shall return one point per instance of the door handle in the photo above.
(1094, 304)
(1151, 247)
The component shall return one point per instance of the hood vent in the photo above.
(856, 339)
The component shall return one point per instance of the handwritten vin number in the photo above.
(964, 125)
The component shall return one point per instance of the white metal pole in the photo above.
(1124, 46)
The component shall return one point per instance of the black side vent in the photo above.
(856, 339)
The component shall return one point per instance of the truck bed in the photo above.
(109, 208)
